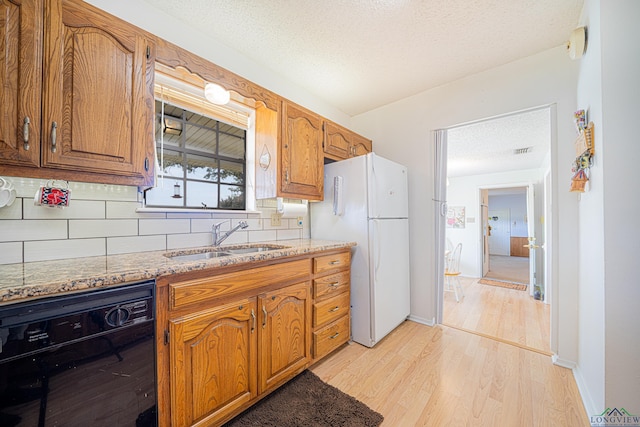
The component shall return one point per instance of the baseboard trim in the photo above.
(428, 322)
(587, 401)
(563, 362)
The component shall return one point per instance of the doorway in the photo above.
(502, 313)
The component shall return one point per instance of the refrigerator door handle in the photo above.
(376, 259)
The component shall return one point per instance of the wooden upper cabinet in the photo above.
(302, 160)
(97, 94)
(213, 363)
(21, 76)
(340, 143)
(360, 145)
(337, 142)
(285, 334)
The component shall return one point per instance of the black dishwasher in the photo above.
(85, 359)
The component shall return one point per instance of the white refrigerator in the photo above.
(366, 201)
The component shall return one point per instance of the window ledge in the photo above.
(194, 210)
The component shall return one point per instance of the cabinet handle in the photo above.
(334, 309)
(25, 133)
(334, 284)
(286, 176)
(253, 320)
(54, 136)
(334, 336)
(264, 317)
(334, 262)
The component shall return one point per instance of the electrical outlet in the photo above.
(276, 220)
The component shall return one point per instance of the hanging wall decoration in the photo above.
(455, 217)
(585, 151)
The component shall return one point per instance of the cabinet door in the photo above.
(285, 334)
(97, 95)
(336, 141)
(302, 159)
(360, 145)
(213, 362)
(20, 74)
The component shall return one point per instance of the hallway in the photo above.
(507, 315)
(509, 268)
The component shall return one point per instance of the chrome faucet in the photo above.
(215, 231)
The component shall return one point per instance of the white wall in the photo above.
(620, 99)
(609, 317)
(590, 373)
(403, 131)
(465, 191)
(516, 204)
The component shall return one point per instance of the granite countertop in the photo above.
(45, 278)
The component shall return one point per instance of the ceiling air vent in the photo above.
(524, 150)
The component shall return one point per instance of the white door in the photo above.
(500, 233)
(389, 270)
(533, 245)
(484, 209)
(387, 182)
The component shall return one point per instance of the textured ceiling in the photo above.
(361, 54)
(488, 146)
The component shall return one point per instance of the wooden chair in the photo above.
(452, 273)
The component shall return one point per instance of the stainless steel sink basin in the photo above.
(252, 249)
(198, 256)
(222, 251)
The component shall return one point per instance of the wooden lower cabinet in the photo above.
(213, 362)
(228, 339)
(285, 338)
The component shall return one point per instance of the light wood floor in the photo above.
(501, 313)
(441, 376)
(510, 268)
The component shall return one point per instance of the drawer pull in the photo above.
(334, 309)
(253, 320)
(54, 137)
(334, 336)
(334, 262)
(334, 284)
(25, 133)
(264, 317)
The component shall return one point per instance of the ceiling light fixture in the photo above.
(577, 45)
(216, 94)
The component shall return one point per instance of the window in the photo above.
(202, 161)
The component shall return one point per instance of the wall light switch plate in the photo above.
(276, 220)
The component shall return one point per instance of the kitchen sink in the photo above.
(252, 249)
(222, 251)
(198, 256)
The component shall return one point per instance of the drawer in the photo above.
(329, 310)
(198, 290)
(331, 285)
(330, 337)
(331, 262)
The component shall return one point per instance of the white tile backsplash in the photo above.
(12, 212)
(77, 209)
(23, 230)
(125, 245)
(10, 253)
(102, 219)
(45, 250)
(164, 226)
(179, 241)
(84, 228)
